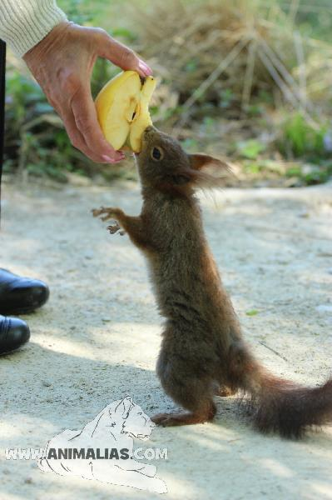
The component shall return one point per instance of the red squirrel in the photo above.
(203, 352)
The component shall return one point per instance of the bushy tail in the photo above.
(279, 406)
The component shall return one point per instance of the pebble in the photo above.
(88, 254)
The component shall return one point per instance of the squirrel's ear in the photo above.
(201, 161)
(209, 172)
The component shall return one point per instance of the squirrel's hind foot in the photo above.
(173, 419)
(225, 392)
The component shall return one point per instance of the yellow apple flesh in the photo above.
(123, 109)
(142, 118)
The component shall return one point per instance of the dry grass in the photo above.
(202, 48)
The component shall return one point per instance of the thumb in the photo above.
(122, 56)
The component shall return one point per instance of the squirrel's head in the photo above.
(164, 165)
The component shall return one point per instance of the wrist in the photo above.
(43, 47)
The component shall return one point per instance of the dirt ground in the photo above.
(97, 339)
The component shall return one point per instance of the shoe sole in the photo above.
(13, 350)
(27, 310)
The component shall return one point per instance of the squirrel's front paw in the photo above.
(106, 213)
(115, 228)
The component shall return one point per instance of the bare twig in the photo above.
(301, 65)
(287, 92)
(294, 8)
(200, 91)
(272, 350)
(249, 74)
(285, 73)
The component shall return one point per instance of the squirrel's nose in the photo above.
(148, 130)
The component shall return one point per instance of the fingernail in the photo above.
(145, 68)
(108, 159)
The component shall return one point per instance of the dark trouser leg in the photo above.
(17, 295)
(2, 105)
(13, 332)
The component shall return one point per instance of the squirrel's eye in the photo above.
(157, 154)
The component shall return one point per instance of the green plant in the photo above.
(36, 141)
(300, 138)
(190, 145)
(250, 149)
(309, 174)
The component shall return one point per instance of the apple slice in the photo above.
(116, 104)
(123, 109)
(142, 118)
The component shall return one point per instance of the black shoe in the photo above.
(21, 295)
(13, 333)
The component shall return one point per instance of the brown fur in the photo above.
(202, 352)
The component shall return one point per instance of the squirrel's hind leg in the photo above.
(188, 389)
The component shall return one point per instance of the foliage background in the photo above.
(251, 80)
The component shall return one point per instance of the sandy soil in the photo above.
(98, 337)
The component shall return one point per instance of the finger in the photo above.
(143, 69)
(122, 56)
(77, 140)
(86, 121)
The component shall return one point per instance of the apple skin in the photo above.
(123, 109)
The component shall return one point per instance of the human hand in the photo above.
(62, 64)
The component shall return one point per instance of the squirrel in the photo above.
(203, 352)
